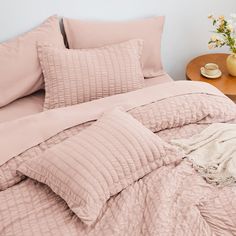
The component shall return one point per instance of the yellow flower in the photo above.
(210, 16)
(221, 18)
(211, 46)
(213, 38)
(218, 43)
(230, 28)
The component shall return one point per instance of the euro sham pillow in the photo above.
(21, 73)
(90, 34)
(77, 76)
(99, 162)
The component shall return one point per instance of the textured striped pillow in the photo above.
(77, 76)
(99, 162)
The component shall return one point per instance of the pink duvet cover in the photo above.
(171, 200)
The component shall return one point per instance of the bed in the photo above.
(99, 140)
(169, 200)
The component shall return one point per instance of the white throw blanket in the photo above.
(213, 153)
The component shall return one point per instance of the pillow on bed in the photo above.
(21, 73)
(77, 76)
(90, 167)
(90, 34)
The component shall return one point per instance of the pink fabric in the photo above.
(33, 104)
(77, 76)
(90, 34)
(168, 201)
(21, 73)
(88, 168)
(204, 110)
(49, 123)
(25, 106)
(171, 200)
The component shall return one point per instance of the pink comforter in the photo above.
(172, 200)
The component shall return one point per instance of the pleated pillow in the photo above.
(77, 76)
(99, 162)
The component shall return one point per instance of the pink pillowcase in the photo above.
(20, 71)
(77, 76)
(99, 162)
(90, 34)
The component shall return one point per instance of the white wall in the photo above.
(186, 31)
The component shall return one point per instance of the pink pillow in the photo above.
(77, 76)
(20, 71)
(99, 162)
(90, 34)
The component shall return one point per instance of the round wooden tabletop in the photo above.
(226, 83)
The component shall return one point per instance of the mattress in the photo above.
(33, 104)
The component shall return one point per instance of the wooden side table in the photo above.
(226, 83)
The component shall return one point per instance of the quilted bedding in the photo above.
(171, 200)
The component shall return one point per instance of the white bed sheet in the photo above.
(34, 103)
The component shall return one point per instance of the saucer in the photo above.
(217, 75)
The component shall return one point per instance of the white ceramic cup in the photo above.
(211, 69)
